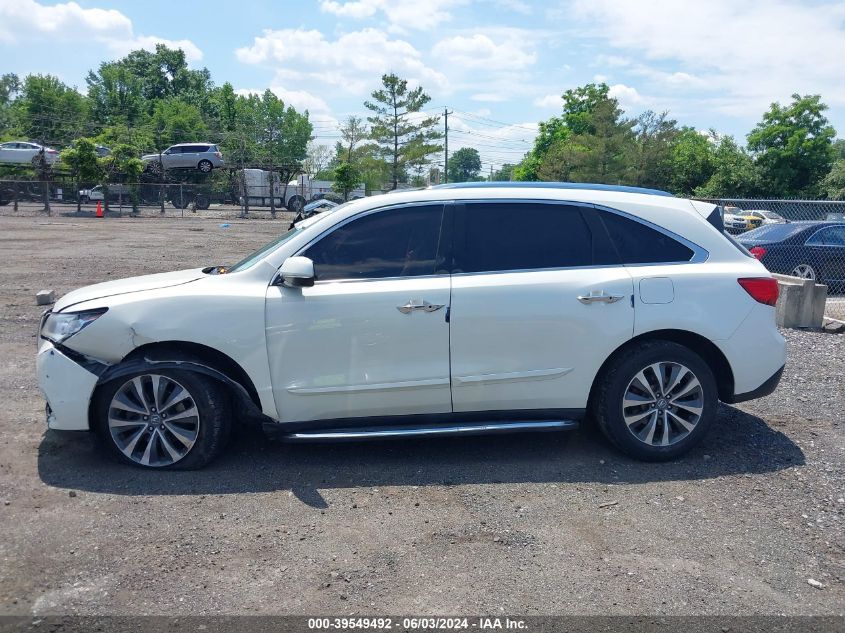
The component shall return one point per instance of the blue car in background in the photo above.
(810, 250)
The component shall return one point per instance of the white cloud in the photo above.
(746, 53)
(25, 20)
(490, 96)
(402, 15)
(299, 99)
(627, 96)
(480, 51)
(353, 62)
(549, 101)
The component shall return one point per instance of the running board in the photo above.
(387, 432)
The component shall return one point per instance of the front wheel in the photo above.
(165, 419)
(656, 400)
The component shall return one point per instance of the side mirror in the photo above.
(297, 272)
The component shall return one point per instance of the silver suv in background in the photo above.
(202, 156)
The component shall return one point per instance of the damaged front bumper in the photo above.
(67, 387)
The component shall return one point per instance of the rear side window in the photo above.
(641, 244)
(521, 236)
(392, 243)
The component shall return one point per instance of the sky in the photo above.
(499, 66)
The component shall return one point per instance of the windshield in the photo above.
(250, 261)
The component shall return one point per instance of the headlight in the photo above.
(60, 326)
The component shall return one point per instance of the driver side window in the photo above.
(400, 242)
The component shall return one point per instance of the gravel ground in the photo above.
(532, 524)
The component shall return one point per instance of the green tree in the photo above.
(734, 173)
(116, 95)
(400, 133)
(464, 165)
(793, 146)
(346, 178)
(50, 112)
(600, 153)
(504, 173)
(174, 121)
(833, 184)
(691, 161)
(655, 136)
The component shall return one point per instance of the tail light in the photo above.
(218, 154)
(758, 252)
(52, 151)
(762, 289)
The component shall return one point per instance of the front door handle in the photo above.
(599, 297)
(414, 305)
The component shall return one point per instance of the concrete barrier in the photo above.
(800, 302)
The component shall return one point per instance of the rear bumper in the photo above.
(756, 353)
(67, 388)
(763, 390)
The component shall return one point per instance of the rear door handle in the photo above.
(420, 305)
(599, 297)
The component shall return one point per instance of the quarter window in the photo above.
(523, 236)
(637, 243)
(400, 242)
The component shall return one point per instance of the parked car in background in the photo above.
(759, 217)
(810, 250)
(202, 156)
(429, 313)
(835, 216)
(97, 193)
(733, 221)
(26, 153)
(313, 208)
(102, 151)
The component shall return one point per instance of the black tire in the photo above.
(202, 202)
(615, 380)
(84, 199)
(205, 166)
(211, 399)
(296, 204)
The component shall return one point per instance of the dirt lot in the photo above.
(535, 524)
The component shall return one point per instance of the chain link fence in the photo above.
(802, 238)
(74, 199)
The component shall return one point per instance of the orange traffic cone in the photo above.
(99, 209)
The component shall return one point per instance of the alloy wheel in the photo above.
(153, 420)
(663, 403)
(804, 271)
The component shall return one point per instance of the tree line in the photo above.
(148, 100)
(790, 153)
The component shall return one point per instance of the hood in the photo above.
(124, 286)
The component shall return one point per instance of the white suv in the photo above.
(457, 309)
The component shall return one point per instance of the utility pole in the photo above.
(446, 114)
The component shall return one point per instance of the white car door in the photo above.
(371, 337)
(539, 301)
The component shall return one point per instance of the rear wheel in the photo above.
(165, 419)
(205, 166)
(805, 271)
(656, 401)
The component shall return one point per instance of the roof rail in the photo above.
(552, 185)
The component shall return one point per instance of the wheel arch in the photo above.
(192, 357)
(705, 348)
